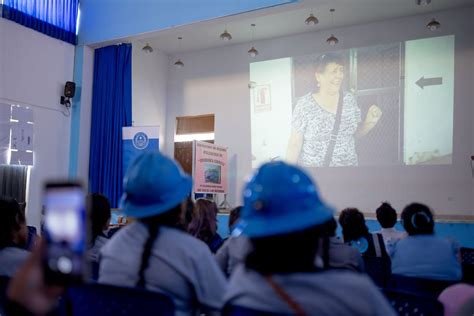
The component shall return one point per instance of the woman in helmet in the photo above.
(284, 218)
(154, 252)
(423, 254)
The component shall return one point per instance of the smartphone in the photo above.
(65, 231)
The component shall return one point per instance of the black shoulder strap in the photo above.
(335, 131)
(153, 231)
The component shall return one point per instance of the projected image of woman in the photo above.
(315, 125)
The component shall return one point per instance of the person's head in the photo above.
(204, 221)
(353, 225)
(100, 214)
(283, 216)
(386, 215)
(417, 219)
(155, 190)
(13, 229)
(234, 216)
(187, 215)
(329, 73)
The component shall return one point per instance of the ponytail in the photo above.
(153, 232)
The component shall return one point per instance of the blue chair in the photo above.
(407, 304)
(467, 261)
(231, 310)
(379, 269)
(3, 289)
(426, 287)
(100, 300)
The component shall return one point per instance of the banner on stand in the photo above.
(138, 140)
(209, 168)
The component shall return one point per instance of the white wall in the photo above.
(149, 77)
(33, 70)
(215, 81)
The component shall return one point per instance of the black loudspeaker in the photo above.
(69, 89)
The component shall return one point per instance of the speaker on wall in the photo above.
(69, 89)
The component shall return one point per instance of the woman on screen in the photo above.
(325, 122)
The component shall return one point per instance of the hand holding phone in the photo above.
(65, 233)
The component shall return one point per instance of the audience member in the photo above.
(341, 255)
(13, 237)
(422, 254)
(100, 215)
(235, 249)
(283, 216)
(203, 224)
(387, 218)
(356, 234)
(153, 252)
(28, 292)
(456, 296)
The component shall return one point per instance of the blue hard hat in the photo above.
(280, 199)
(153, 185)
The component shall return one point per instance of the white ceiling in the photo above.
(286, 20)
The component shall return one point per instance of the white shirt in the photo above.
(11, 258)
(326, 293)
(390, 237)
(180, 266)
(233, 253)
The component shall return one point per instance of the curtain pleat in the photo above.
(55, 18)
(111, 110)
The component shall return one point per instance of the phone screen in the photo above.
(65, 231)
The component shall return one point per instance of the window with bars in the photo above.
(16, 150)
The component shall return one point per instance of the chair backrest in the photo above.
(426, 287)
(233, 310)
(467, 255)
(3, 289)
(467, 260)
(100, 300)
(406, 304)
(379, 269)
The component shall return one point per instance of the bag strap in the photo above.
(378, 250)
(286, 297)
(334, 132)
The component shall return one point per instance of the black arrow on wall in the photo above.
(423, 82)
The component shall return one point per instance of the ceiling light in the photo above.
(147, 48)
(332, 40)
(179, 63)
(423, 2)
(433, 25)
(253, 52)
(226, 36)
(311, 20)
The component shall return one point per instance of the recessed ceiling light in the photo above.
(433, 25)
(311, 20)
(423, 2)
(332, 40)
(147, 48)
(226, 36)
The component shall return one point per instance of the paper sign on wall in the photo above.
(22, 133)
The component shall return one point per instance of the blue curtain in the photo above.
(111, 110)
(56, 18)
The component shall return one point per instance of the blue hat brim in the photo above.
(264, 226)
(136, 210)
